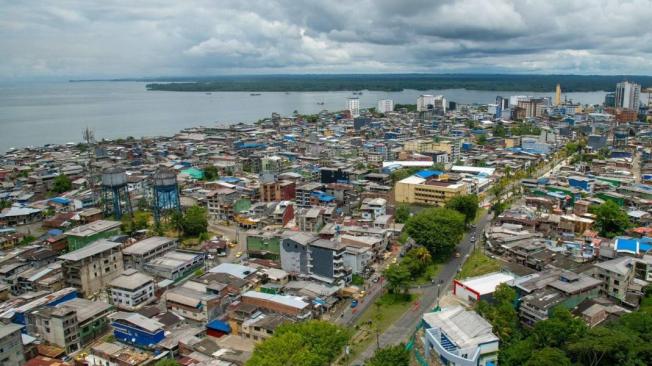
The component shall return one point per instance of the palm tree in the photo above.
(422, 255)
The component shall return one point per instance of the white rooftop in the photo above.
(93, 228)
(295, 302)
(486, 284)
(465, 328)
(233, 269)
(90, 250)
(146, 245)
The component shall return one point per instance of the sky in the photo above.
(63, 39)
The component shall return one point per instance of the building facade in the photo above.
(92, 267)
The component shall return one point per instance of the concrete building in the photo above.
(139, 253)
(353, 106)
(82, 235)
(294, 252)
(426, 102)
(175, 265)
(616, 275)
(460, 337)
(429, 189)
(132, 290)
(92, 267)
(70, 325)
(385, 105)
(277, 191)
(628, 95)
(191, 300)
(11, 345)
(373, 208)
(326, 262)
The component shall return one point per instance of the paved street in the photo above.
(401, 330)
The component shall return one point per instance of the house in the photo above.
(11, 345)
(460, 337)
(15, 215)
(326, 262)
(136, 329)
(141, 252)
(281, 304)
(192, 300)
(93, 266)
(131, 290)
(82, 235)
(372, 208)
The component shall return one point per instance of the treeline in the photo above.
(392, 82)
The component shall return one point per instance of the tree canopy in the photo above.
(309, 343)
(210, 173)
(195, 221)
(437, 229)
(610, 220)
(398, 278)
(61, 184)
(401, 214)
(390, 356)
(467, 205)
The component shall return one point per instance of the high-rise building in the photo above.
(425, 102)
(385, 105)
(558, 95)
(628, 95)
(353, 106)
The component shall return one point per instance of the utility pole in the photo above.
(89, 137)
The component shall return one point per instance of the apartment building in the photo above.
(132, 290)
(11, 345)
(83, 235)
(92, 267)
(616, 275)
(176, 264)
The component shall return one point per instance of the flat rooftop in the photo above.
(131, 279)
(90, 250)
(465, 328)
(93, 228)
(146, 245)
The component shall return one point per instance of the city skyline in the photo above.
(53, 40)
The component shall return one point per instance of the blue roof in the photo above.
(231, 180)
(60, 200)
(425, 174)
(55, 232)
(219, 326)
(633, 245)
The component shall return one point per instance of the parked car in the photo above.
(354, 303)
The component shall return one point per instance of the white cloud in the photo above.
(152, 38)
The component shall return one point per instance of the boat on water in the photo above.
(320, 103)
(208, 93)
(254, 94)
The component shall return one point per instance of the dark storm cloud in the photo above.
(201, 37)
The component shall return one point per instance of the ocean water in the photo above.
(33, 114)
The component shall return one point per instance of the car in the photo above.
(238, 254)
(362, 293)
(354, 303)
(232, 245)
(375, 279)
(457, 254)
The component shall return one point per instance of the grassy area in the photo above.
(428, 274)
(385, 311)
(478, 264)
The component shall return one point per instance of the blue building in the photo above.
(136, 329)
(583, 183)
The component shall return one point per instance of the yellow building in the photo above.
(427, 190)
(452, 148)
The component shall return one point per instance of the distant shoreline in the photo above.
(385, 82)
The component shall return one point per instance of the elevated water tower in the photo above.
(114, 192)
(166, 192)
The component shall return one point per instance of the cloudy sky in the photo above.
(134, 38)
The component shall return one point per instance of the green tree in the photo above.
(401, 214)
(481, 139)
(439, 166)
(210, 173)
(390, 356)
(467, 205)
(502, 315)
(195, 221)
(610, 220)
(310, 343)
(561, 328)
(61, 184)
(605, 346)
(139, 221)
(5, 204)
(548, 357)
(398, 278)
(438, 229)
